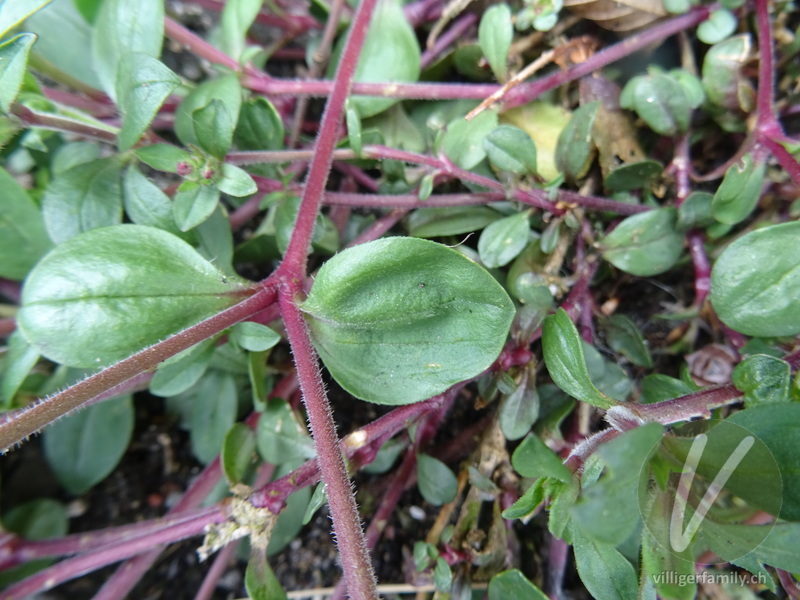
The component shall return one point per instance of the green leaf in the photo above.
(574, 150)
(139, 275)
(633, 176)
(755, 283)
(495, 34)
(724, 81)
(238, 452)
(719, 25)
(23, 238)
(390, 54)
(739, 192)
(399, 320)
(645, 244)
(280, 437)
(40, 519)
(563, 355)
(124, 27)
(695, 211)
(658, 387)
(763, 379)
(235, 182)
(88, 8)
(290, 521)
(442, 575)
(254, 337)
(502, 241)
(603, 570)
(237, 17)
(180, 372)
(435, 222)
(194, 206)
(259, 579)
(226, 89)
(213, 128)
(511, 149)
(143, 84)
(212, 414)
(513, 584)
(260, 126)
(353, 121)
(624, 337)
(607, 376)
(14, 12)
(464, 140)
(528, 502)
(83, 448)
(13, 60)
(20, 359)
(82, 198)
(437, 483)
(519, 409)
(146, 204)
(318, 499)
(660, 100)
(215, 240)
(163, 157)
(533, 458)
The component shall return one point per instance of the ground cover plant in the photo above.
(551, 252)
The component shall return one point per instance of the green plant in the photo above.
(147, 198)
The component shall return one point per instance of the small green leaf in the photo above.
(763, 379)
(574, 150)
(40, 519)
(13, 60)
(511, 149)
(513, 584)
(660, 100)
(353, 120)
(180, 372)
(719, 25)
(20, 359)
(502, 241)
(563, 355)
(463, 141)
(695, 211)
(528, 502)
(227, 91)
(143, 84)
(442, 575)
(237, 17)
(519, 409)
(624, 337)
(82, 198)
(386, 458)
(318, 499)
(23, 238)
(213, 128)
(254, 337)
(139, 275)
(739, 192)
(633, 176)
(436, 222)
(259, 579)
(194, 206)
(399, 320)
(212, 414)
(83, 448)
(235, 182)
(607, 376)
(145, 203)
(14, 12)
(658, 387)
(495, 34)
(533, 458)
(163, 157)
(124, 27)
(724, 81)
(437, 483)
(280, 437)
(677, 7)
(238, 452)
(260, 126)
(603, 570)
(645, 244)
(755, 283)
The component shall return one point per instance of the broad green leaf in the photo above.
(238, 452)
(40, 519)
(88, 8)
(285, 218)
(143, 84)
(763, 379)
(14, 12)
(511, 149)
(212, 414)
(20, 359)
(658, 387)
(464, 140)
(695, 211)
(399, 320)
(519, 409)
(138, 274)
(23, 238)
(624, 337)
(755, 283)
(645, 244)
(533, 458)
(777, 549)
(280, 437)
(215, 240)
(124, 27)
(528, 502)
(194, 206)
(146, 204)
(437, 483)
(660, 100)
(719, 25)
(13, 60)
(260, 126)
(164, 157)
(574, 151)
(386, 458)
(390, 54)
(226, 89)
(659, 564)
(235, 182)
(724, 81)
(73, 154)
(513, 584)
(563, 497)
(213, 128)
(607, 376)
(633, 176)
(502, 241)
(85, 197)
(442, 575)
(495, 34)
(254, 337)
(259, 579)
(237, 17)
(436, 222)
(180, 372)
(603, 570)
(563, 356)
(543, 122)
(739, 192)
(84, 447)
